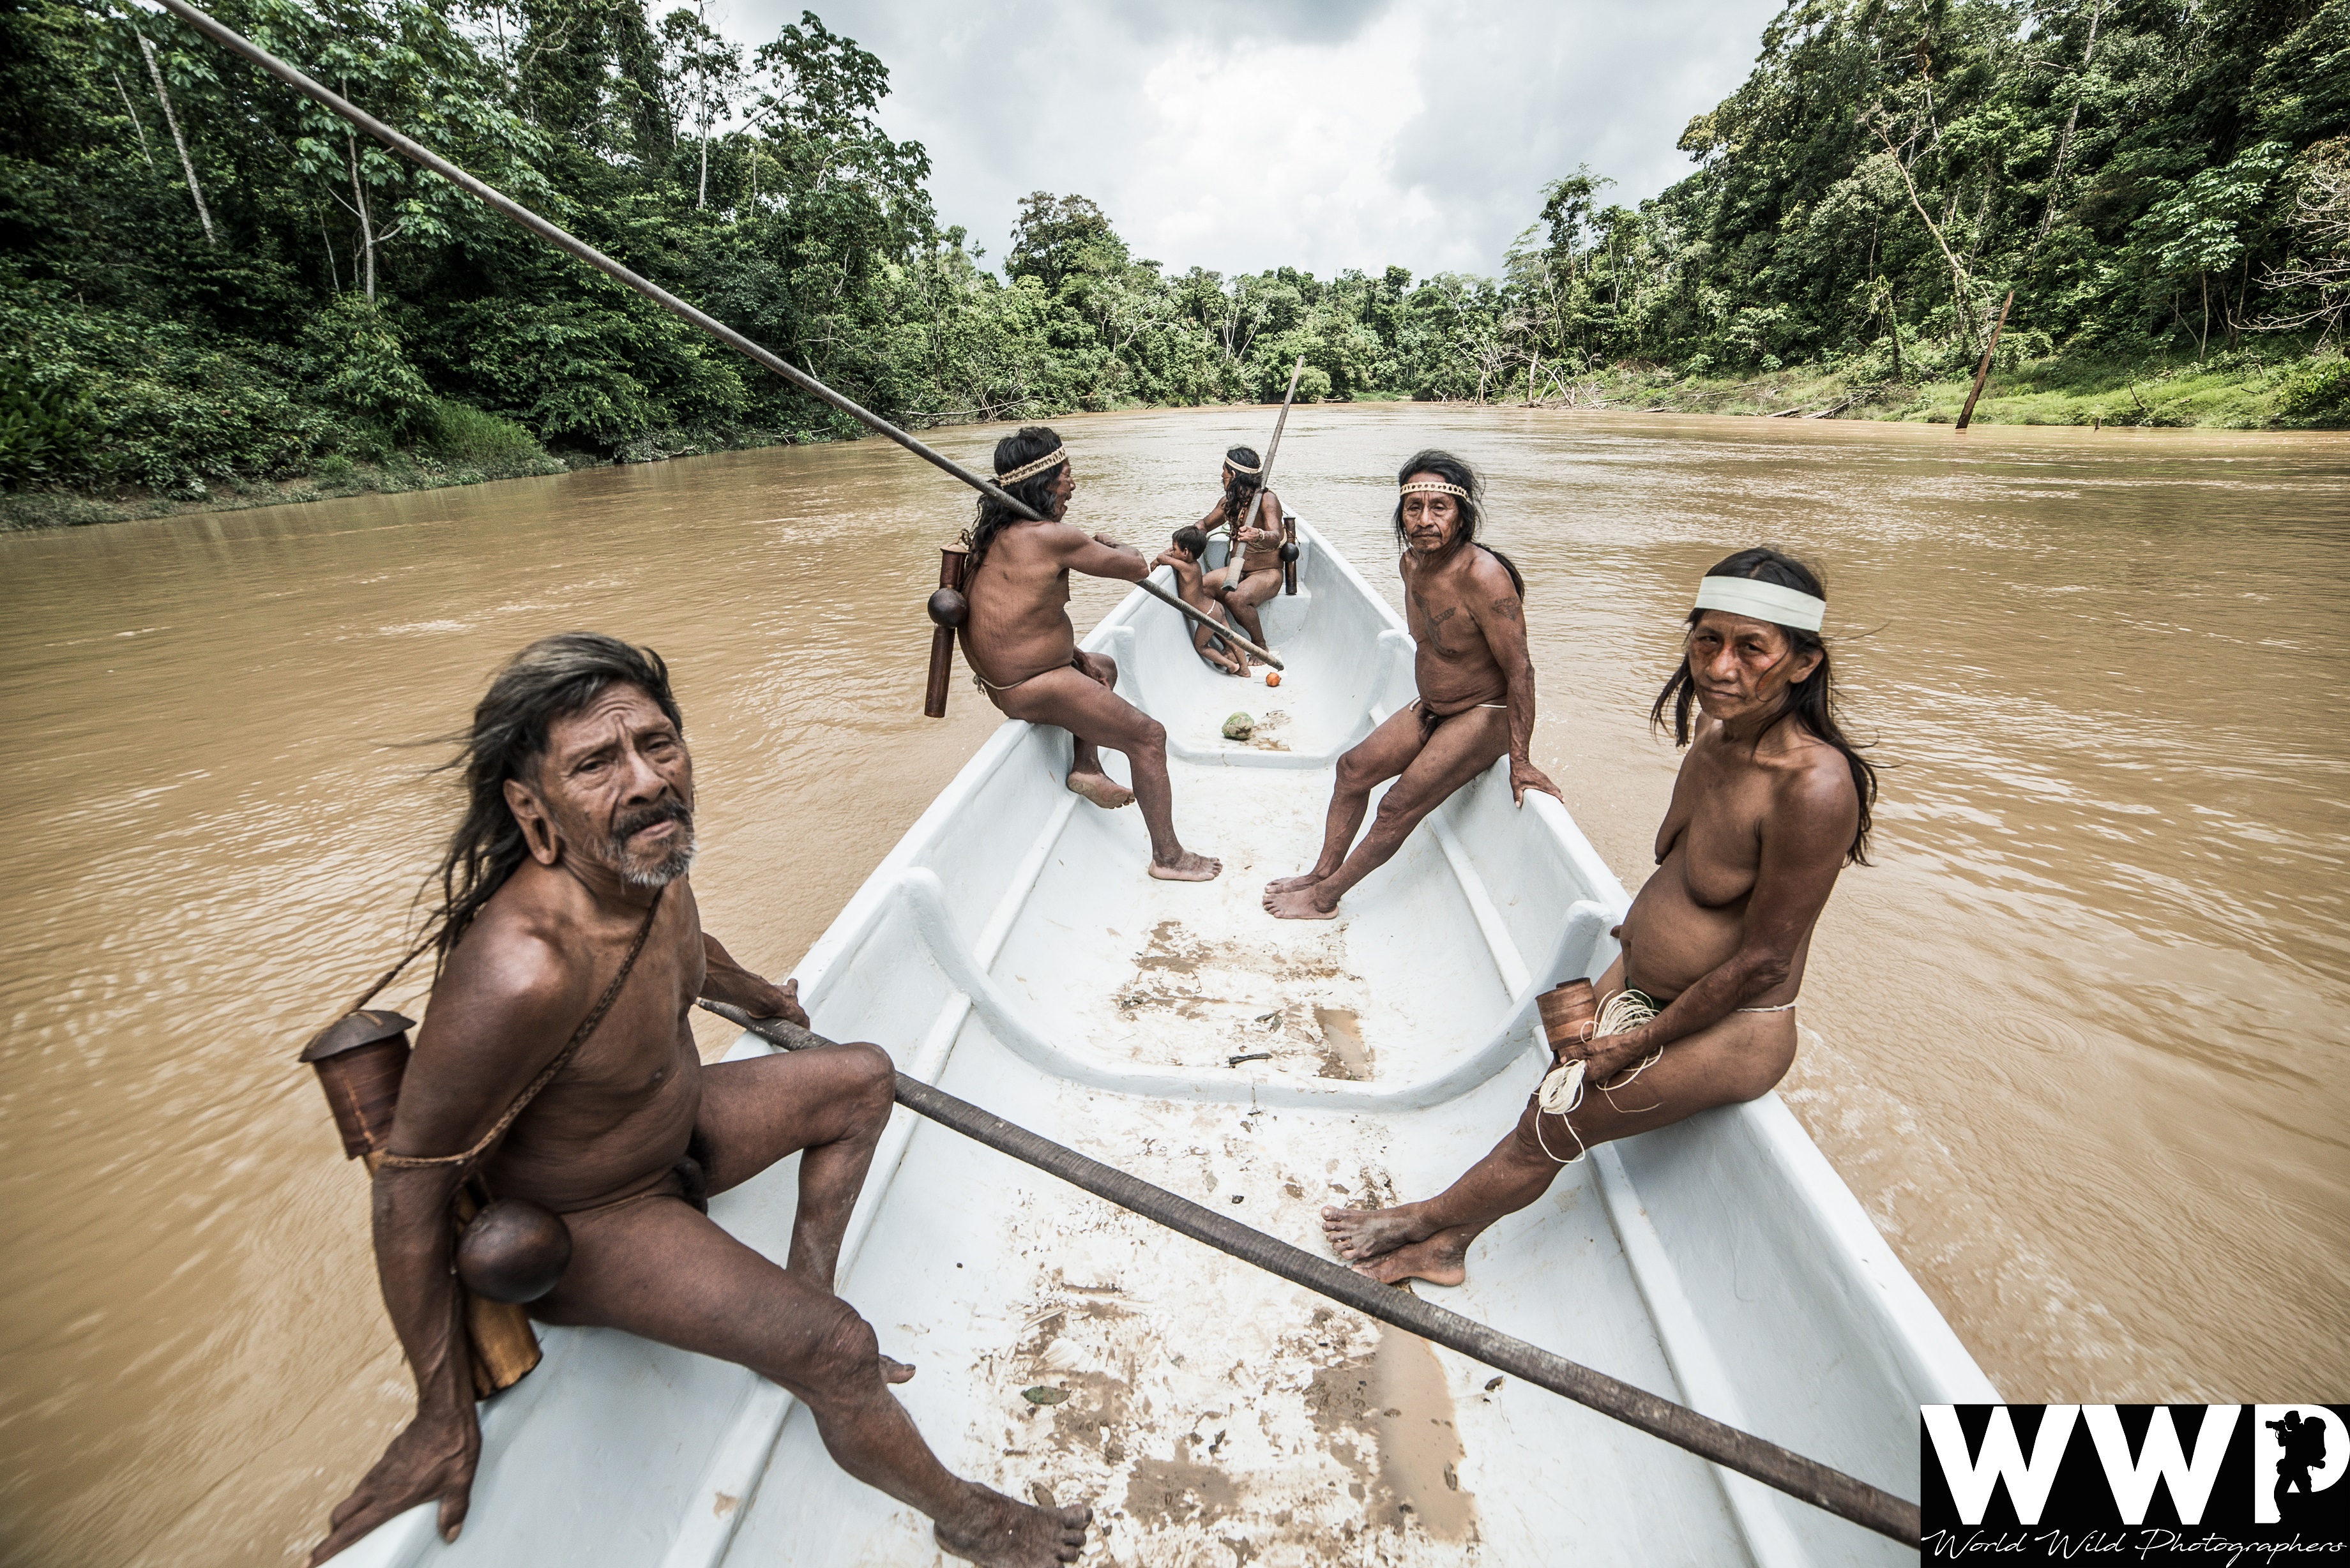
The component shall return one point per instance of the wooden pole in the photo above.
(1781, 1469)
(1234, 558)
(1263, 477)
(561, 239)
(1983, 372)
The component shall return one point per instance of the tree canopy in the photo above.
(203, 276)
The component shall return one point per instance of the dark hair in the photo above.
(549, 682)
(1452, 470)
(1018, 450)
(1192, 540)
(1811, 700)
(1243, 485)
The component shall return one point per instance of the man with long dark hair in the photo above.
(1697, 1010)
(1022, 648)
(1476, 682)
(571, 949)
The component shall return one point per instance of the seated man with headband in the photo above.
(1697, 1010)
(1024, 652)
(1476, 690)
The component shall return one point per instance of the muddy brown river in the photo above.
(2081, 1029)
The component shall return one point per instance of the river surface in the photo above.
(2081, 1028)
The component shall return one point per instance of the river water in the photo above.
(2081, 1028)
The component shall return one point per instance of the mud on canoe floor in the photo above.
(1215, 1415)
(1250, 996)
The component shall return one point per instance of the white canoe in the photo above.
(1012, 950)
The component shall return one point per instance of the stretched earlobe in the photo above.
(537, 829)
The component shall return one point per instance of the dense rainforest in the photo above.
(207, 280)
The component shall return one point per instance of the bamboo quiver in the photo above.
(361, 1059)
(947, 610)
(1569, 1010)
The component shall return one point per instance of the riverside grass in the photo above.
(2245, 389)
(2252, 388)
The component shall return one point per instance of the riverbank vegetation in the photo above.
(212, 290)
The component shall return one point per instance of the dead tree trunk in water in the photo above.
(1983, 372)
(187, 164)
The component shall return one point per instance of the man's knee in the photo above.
(1531, 1143)
(1150, 734)
(872, 1076)
(1401, 810)
(844, 1352)
(1357, 774)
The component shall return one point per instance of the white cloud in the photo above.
(1319, 135)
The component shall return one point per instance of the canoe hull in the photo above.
(1011, 948)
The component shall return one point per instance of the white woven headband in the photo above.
(1053, 459)
(1763, 601)
(1240, 467)
(1432, 487)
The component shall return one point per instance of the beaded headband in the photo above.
(1763, 601)
(1053, 459)
(1432, 487)
(1241, 467)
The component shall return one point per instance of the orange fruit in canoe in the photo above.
(1272, 677)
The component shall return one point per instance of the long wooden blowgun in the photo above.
(1233, 559)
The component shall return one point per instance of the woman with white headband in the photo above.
(1698, 1009)
(1259, 577)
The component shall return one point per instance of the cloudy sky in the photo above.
(1237, 135)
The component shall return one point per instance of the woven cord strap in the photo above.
(546, 1073)
(393, 974)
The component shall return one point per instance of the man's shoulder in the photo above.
(1483, 570)
(518, 958)
(1049, 538)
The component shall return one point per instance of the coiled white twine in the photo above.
(1562, 1087)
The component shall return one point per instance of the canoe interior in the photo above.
(1012, 950)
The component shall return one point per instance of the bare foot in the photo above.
(1188, 867)
(1002, 1534)
(1300, 904)
(1358, 1233)
(1102, 790)
(1291, 884)
(896, 1371)
(1441, 1260)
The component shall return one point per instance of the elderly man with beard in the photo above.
(571, 943)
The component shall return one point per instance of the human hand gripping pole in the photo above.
(1848, 1497)
(562, 239)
